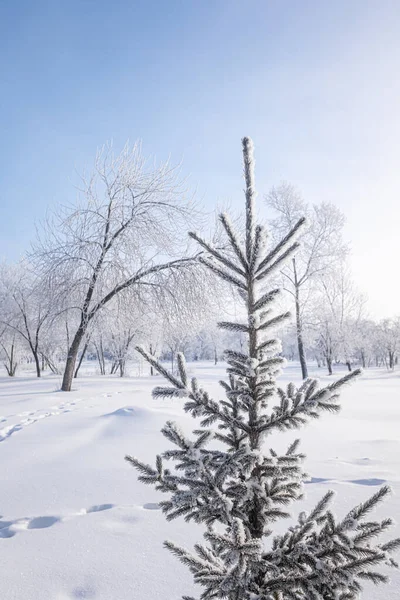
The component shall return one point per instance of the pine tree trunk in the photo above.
(255, 519)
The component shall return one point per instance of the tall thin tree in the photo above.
(321, 247)
(238, 489)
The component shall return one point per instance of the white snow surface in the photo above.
(76, 523)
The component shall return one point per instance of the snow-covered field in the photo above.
(74, 521)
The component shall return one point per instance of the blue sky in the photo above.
(315, 83)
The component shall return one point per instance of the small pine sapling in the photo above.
(238, 489)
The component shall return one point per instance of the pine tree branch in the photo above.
(233, 239)
(218, 255)
(223, 274)
(282, 246)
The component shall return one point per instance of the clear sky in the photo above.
(315, 83)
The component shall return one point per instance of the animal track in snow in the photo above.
(9, 430)
(31, 417)
(84, 592)
(370, 481)
(318, 480)
(42, 522)
(9, 529)
(358, 462)
(99, 508)
(367, 481)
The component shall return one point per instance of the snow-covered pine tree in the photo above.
(238, 489)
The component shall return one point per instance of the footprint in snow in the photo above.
(9, 430)
(84, 592)
(99, 508)
(359, 462)
(318, 480)
(9, 529)
(368, 481)
(4, 524)
(33, 417)
(42, 522)
(152, 506)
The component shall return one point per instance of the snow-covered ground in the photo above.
(76, 523)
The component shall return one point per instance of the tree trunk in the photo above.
(329, 365)
(391, 360)
(10, 365)
(121, 367)
(299, 333)
(363, 359)
(152, 352)
(348, 365)
(102, 363)
(71, 359)
(51, 366)
(81, 359)
(37, 363)
(215, 357)
(113, 367)
(100, 356)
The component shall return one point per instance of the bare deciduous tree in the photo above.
(26, 306)
(321, 247)
(339, 308)
(126, 229)
(389, 340)
(9, 351)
